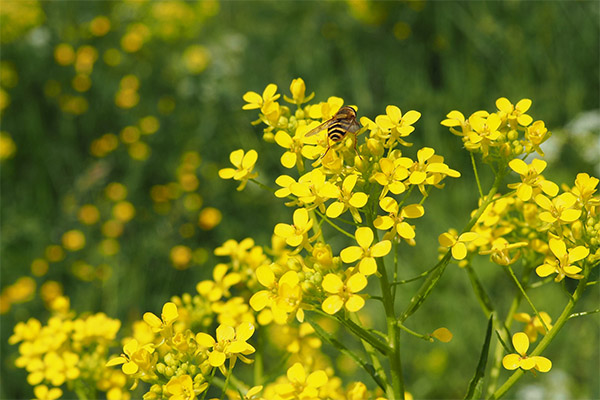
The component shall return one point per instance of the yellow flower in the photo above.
(559, 209)
(214, 289)
(516, 112)
(182, 388)
(298, 90)
(42, 392)
(255, 100)
(230, 343)
(396, 125)
(295, 146)
(326, 110)
(585, 187)
(561, 263)
(484, 132)
(396, 219)
(135, 358)
(313, 189)
(392, 173)
(429, 169)
(531, 179)
(500, 251)
(343, 293)
(458, 244)
(168, 316)
(536, 134)
(300, 386)
(454, 119)
(244, 164)
(296, 235)
(534, 325)
(521, 360)
(348, 200)
(365, 252)
(73, 240)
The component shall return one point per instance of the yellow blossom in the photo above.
(343, 293)
(219, 286)
(168, 316)
(458, 244)
(396, 219)
(521, 360)
(348, 200)
(230, 343)
(511, 112)
(534, 325)
(396, 126)
(42, 392)
(300, 386)
(296, 234)
(365, 252)
(562, 262)
(559, 209)
(531, 179)
(244, 164)
(135, 358)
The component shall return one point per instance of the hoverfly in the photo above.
(338, 126)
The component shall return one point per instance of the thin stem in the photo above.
(416, 334)
(476, 174)
(324, 218)
(584, 313)
(262, 185)
(514, 277)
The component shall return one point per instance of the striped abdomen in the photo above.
(338, 129)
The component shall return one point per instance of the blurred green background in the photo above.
(132, 107)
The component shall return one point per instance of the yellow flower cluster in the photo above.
(553, 230)
(501, 135)
(69, 351)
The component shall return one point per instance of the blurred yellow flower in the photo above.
(7, 146)
(100, 26)
(116, 191)
(88, 214)
(209, 218)
(196, 58)
(73, 240)
(123, 211)
(64, 54)
(181, 256)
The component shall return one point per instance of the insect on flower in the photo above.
(338, 126)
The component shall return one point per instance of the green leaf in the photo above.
(476, 384)
(426, 288)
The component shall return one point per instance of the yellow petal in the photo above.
(446, 239)
(335, 209)
(259, 300)
(411, 117)
(523, 105)
(383, 223)
(332, 283)
(227, 173)
(527, 363)
(358, 199)
(205, 340)
(504, 104)
(265, 276)
(364, 236)
(288, 159)
(300, 217)
(442, 334)
(355, 303)
(244, 331)
(316, 379)
(283, 139)
(296, 373)
(459, 251)
(367, 266)
(519, 166)
(544, 270)
(249, 159)
(216, 358)
(417, 177)
(558, 247)
(130, 368)
(511, 361)
(578, 253)
(152, 320)
(542, 364)
(351, 254)
(236, 157)
(381, 249)
(413, 211)
(169, 312)
(332, 304)
(356, 283)
(225, 332)
(520, 342)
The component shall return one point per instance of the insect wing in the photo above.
(319, 128)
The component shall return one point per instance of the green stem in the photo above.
(513, 276)
(372, 355)
(393, 330)
(476, 174)
(547, 339)
(416, 334)
(324, 217)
